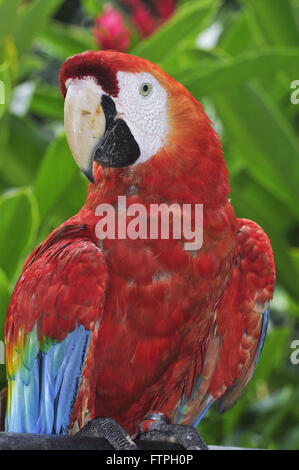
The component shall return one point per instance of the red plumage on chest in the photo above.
(161, 299)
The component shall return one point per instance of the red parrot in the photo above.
(141, 331)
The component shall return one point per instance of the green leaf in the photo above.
(276, 345)
(264, 138)
(4, 300)
(238, 37)
(8, 15)
(25, 146)
(18, 224)
(29, 64)
(32, 20)
(66, 40)
(70, 202)
(276, 20)
(252, 201)
(93, 7)
(5, 87)
(227, 74)
(56, 172)
(261, 205)
(74, 197)
(47, 102)
(294, 253)
(190, 20)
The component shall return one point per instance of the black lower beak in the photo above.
(117, 148)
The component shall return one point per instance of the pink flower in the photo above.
(111, 31)
(165, 9)
(143, 20)
(148, 15)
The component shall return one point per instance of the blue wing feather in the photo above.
(45, 387)
(263, 334)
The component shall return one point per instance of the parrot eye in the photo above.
(145, 89)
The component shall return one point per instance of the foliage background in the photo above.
(239, 59)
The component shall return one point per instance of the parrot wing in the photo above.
(239, 330)
(251, 291)
(51, 329)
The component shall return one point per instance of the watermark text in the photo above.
(294, 358)
(2, 92)
(2, 353)
(295, 94)
(158, 221)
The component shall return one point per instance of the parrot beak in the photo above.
(94, 131)
(84, 121)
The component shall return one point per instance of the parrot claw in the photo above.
(156, 427)
(107, 428)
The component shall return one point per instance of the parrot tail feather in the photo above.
(41, 400)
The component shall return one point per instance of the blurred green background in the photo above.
(239, 59)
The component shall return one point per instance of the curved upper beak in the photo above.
(84, 121)
(94, 130)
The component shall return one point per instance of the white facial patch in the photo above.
(142, 104)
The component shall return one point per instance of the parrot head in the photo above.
(121, 110)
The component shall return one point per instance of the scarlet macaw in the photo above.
(140, 331)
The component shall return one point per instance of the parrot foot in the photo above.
(107, 428)
(156, 427)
